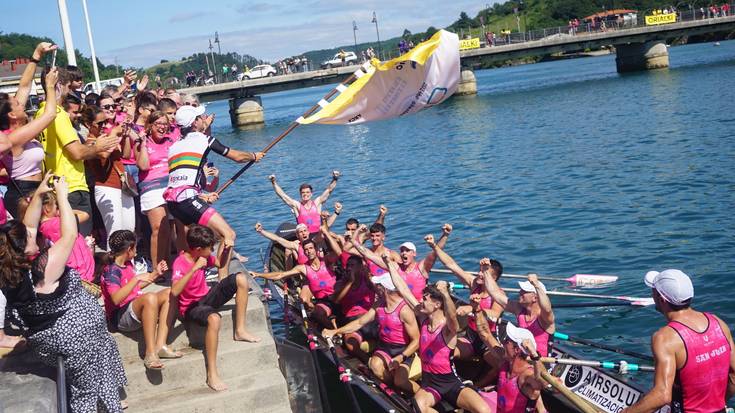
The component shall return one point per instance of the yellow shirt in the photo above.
(54, 138)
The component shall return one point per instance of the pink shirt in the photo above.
(196, 288)
(157, 160)
(113, 279)
(81, 258)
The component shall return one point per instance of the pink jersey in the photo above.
(702, 382)
(301, 257)
(510, 397)
(309, 217)
(321, 281)
(113, 279)
(390, 326)
(358, 300)
(157, 160)
(196, 288)
(486, 303)
(375, 269)
(436, 356)
(539, 334)
(415, 280)
(81, 258)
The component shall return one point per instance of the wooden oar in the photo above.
(594, 304)
(575, 280)
(288, 130)
(577, 401)
(564, 337)
(637, 301)
(622, 366)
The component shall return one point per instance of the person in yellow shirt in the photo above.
(65, 155)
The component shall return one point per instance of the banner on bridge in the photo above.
(468, 44)
(657, 19)
(425, 76)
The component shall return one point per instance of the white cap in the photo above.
(529, 288)
(186, 114)
(408, 245)
(517, 334)
(673, 285)
(300, 226)
(385, 281)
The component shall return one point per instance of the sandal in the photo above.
(153, 363)
(167, 353)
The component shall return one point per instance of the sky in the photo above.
(137, 33)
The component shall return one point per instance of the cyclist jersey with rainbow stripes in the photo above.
(186, 159)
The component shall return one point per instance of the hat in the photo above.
(526, 286)
(517, 334)
(385, 281)
(302, 225)
(673, 285)
(408, 245)
(186, 114)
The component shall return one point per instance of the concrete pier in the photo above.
(246, 111)
(467, 83)
(633, 57)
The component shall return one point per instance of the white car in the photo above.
(350, 58)
(257, 71)
(90, 87)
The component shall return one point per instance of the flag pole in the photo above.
(285, 133)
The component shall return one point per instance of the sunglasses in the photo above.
(161, 123)
(100, 124)
(191, 104)
(109, 107)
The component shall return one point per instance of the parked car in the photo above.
(256, 72)
(89, 87)
(350, 58)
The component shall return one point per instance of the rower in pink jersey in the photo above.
(320, 279)
(307, 210)
(355, 295)
(519, 384)
(398, 335)
(293, 248)
(532, 309)
(694, 352)
(439, 326)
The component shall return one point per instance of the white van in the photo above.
(90, 87)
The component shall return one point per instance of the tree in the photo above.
(430, 31)
(406, 33)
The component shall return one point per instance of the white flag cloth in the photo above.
(425, 76)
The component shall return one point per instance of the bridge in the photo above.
(637, 48)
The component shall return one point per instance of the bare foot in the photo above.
(246, 336)
(216, 384)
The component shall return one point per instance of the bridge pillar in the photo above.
(467, 83)
(246, 111)
(641, 56)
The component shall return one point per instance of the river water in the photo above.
(558, 168)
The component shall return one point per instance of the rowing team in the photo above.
(383, 295)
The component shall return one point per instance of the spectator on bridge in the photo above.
(725, 9)
(225, 71)
(233, 69)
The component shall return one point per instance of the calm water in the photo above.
(558, 168)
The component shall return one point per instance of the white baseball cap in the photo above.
(300, 226)
(529, 288)
(408, 245)
(517, 335)
(186, 114)
(385, 281)
(673, 285)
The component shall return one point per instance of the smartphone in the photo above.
(53, 59)
(210, 164)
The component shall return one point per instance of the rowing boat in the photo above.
(607, 391)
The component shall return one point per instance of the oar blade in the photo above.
(591, 279)
(642, 302)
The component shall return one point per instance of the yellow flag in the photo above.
(425, 76)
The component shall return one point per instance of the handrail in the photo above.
(61, 402)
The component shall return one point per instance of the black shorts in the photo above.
(442, 386)
(81, 201)
(191, 211)
(217, 296)
(387, 351)
(478, 346)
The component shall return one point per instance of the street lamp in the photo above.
(214, 65)
(354, 34)
(375, 20)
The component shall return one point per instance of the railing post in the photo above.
(61, 402)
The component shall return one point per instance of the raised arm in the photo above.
(498, 294)
(59, 253)
(333, 217)
(399, 282)
(291, 245)
(30, 130)
(33, 213)
(279, 275)
(449, 262)
(285, 198)
(330, 188)
(450, 311)
(331, 241)
(381, 215)
(366, 252)
(547, 313)
(428, 263)
(24, 87)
